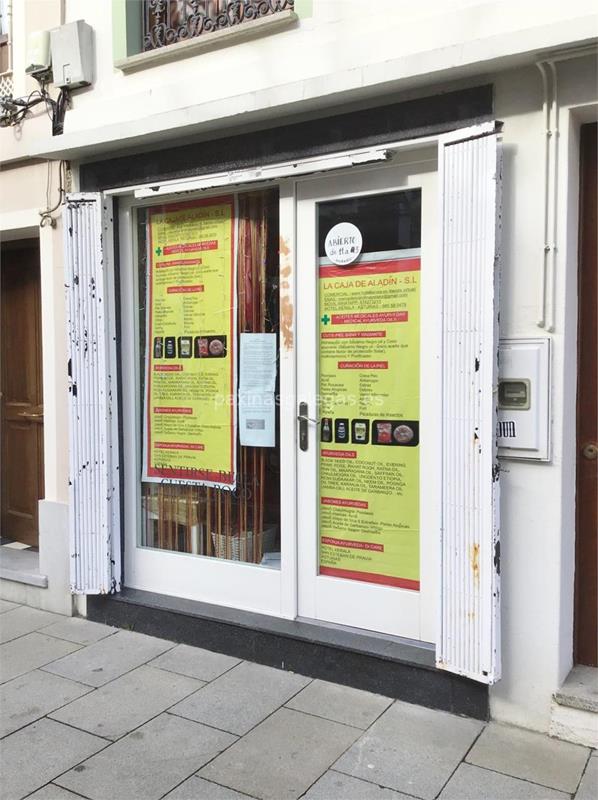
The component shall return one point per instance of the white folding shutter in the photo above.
(94, 496)
(469, 173)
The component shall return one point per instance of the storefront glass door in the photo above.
(368, 403)
(240, 312)
(201, 424)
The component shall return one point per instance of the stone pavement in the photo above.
(95, 712)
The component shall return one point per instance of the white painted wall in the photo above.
(22, 195)
(25, 189)
(334, 49)
(339, 53)
(538, 500)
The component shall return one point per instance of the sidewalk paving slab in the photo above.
(31, 652)
(411, 749)
(588, 788)
(127, 702)
(149, 762)
(79, 630)
(39, 753)
(241, 698)
(109, 658)
(282, 757)
(473, 783)
(6, 605)
(52, 792)
(89, 711)
(531, 756)
(32, 696)
(22, 620)
(196, 788)
(340, 703)
(337, 786)
(195, 662)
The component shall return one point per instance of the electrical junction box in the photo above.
(524, 399)
(72, 55)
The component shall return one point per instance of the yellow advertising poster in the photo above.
(189, 420)
(369, 428)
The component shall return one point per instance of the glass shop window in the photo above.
(209, 339)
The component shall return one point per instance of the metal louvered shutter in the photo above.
(469, 173)
(94, 493)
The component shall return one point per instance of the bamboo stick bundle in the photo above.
(208, 521)
(162, 543)
(190, 514)
(168, 492)
(227, 517)
(219, 521)
(262, 328)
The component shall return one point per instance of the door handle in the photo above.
(30, 414)
(303, 426)
(308, 419)
(590, 451)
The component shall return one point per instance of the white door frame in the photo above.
(401, 612)
(232, 584)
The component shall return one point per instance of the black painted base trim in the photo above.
(380, 664)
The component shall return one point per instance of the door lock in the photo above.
(590, 451)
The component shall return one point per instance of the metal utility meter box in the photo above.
(523, 399)
(72, 55)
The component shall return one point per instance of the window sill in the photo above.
(201, 44)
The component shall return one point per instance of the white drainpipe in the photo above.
(550, 109)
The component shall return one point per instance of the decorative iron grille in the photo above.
(6, 85)
(6, 81)
(168, 21)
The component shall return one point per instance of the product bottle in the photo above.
(170, 347)
(341, 432)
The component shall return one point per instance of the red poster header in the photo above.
(180, 262)
(370, 316)
(379, 548)
(179, 446)
(190, 247)
(344, 502)
(363, 364)
(338, 453)
(371, 268)
(185, 289)
(354, 335)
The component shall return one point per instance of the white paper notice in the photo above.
(257, 381)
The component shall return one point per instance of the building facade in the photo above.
(271, 260)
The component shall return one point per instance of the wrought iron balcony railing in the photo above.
(168, 21)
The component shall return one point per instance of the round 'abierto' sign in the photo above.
(343, 243)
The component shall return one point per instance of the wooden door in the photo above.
(586, 580)
(21, 386)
